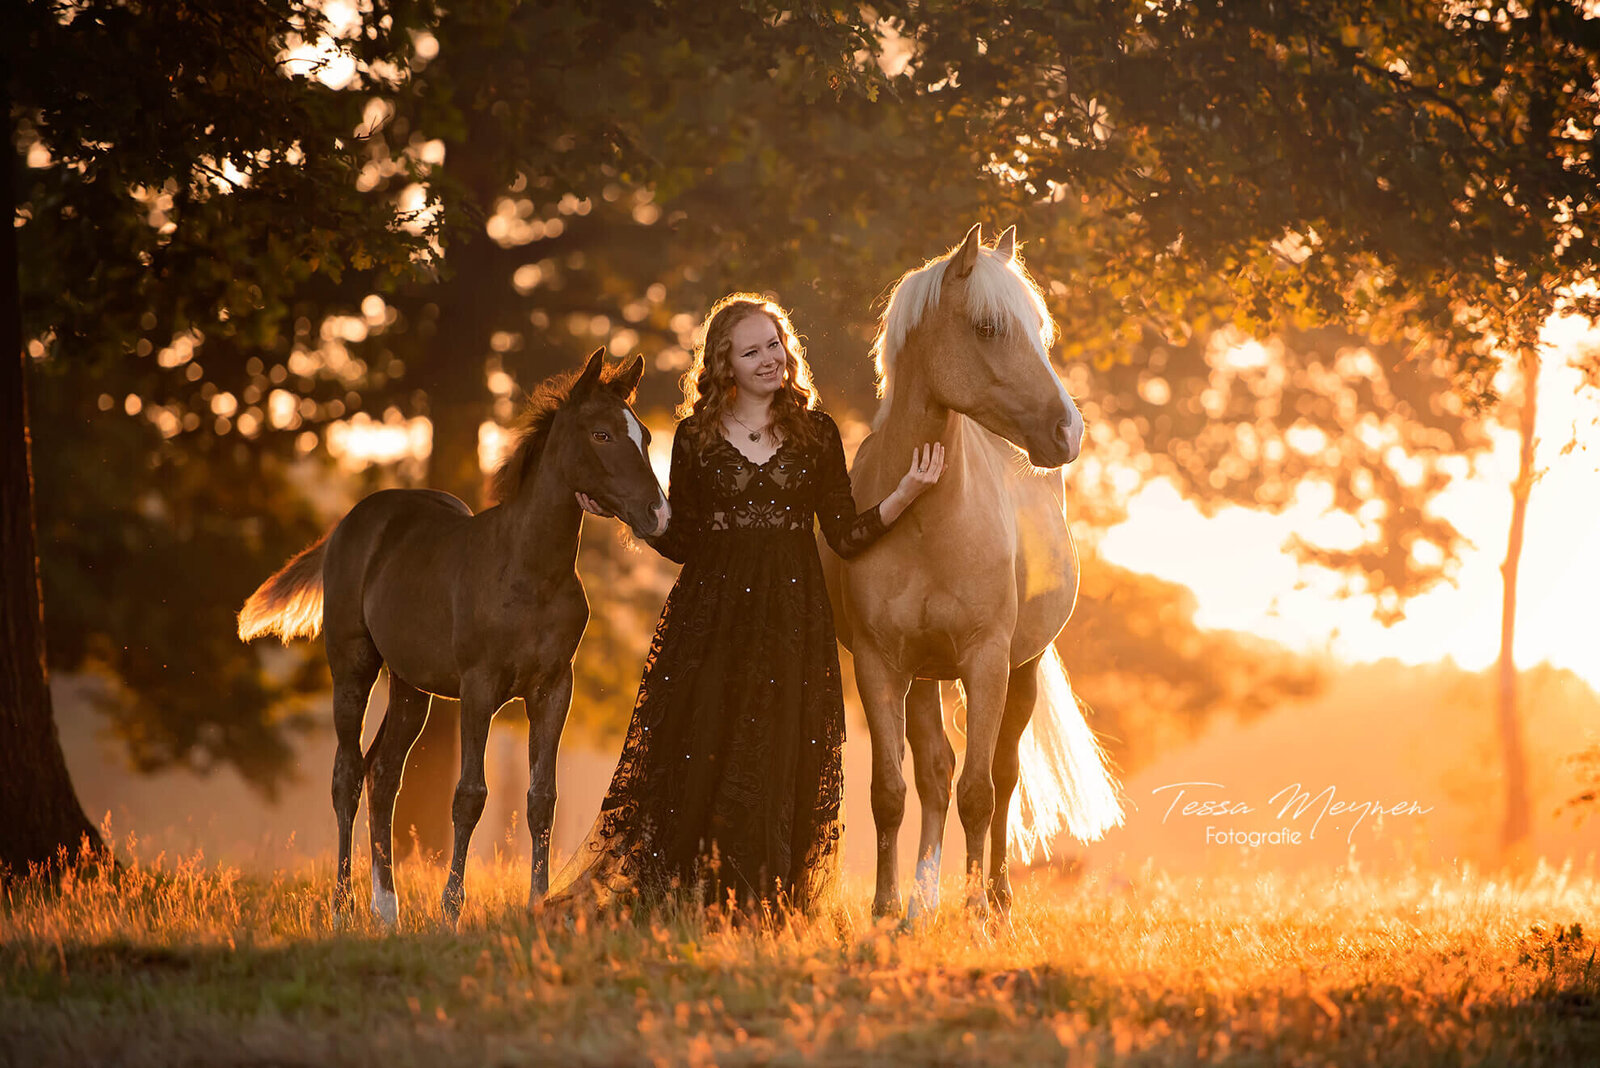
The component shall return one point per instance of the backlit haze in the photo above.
(1244, 579)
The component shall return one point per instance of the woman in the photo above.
(731, 775)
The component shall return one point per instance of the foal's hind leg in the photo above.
(355, 663)
(1021, 692)
(480, 700)
(386, 760)
(933, 762)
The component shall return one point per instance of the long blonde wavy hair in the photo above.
(708, 386)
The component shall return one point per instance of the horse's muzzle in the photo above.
(1068, 435)
(663, 516)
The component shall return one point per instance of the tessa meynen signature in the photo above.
(1293, 802)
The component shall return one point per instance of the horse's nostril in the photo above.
(1064, 432)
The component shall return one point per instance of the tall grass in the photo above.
(163, 961)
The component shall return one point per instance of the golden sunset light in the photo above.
(1243, 580)
(734, 534)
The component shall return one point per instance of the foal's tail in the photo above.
(289, 604)
(1066, 782)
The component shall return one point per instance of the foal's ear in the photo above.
(966, 256)
(1007, 245)
(591, 373)
(628, 381)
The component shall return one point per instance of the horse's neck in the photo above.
(541, 522)
(914, 418)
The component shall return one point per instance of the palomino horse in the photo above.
(976, 580)
(484, 608)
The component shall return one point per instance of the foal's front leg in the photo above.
(548, 703)
(481, 698)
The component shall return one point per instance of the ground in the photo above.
(161, 963)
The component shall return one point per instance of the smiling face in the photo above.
(756, 356)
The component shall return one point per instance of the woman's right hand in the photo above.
(586, 502)
(927, 464)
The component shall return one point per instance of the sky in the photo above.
(1244, 580)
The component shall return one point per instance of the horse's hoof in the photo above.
(886, 908)
(386, 907)
(450, 906)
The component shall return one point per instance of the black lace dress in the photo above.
(731, 776)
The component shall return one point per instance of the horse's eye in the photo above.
(986, 328)
(601, 435)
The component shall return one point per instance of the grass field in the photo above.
(184, 963)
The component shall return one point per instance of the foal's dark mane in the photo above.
(531, 431)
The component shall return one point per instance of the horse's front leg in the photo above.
(548, 703)
(934, 764)
(883, 695)
(984, 676)
(1021, 693)
(481, 698)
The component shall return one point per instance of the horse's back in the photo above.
(366, 539)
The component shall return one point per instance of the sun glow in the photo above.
(1245, 580)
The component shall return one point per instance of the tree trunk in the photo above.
(39, 810)
(452, 376)
(1515, 828)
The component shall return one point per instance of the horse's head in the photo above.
(607, 447)
(985, 334)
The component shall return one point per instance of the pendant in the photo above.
(755, 437)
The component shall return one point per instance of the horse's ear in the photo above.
(1007, 245)
(591, 373)
(966, 256)
(628, 381)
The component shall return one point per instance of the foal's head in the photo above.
(588, 428)
(983, 336)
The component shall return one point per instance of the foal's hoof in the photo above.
(450, 905)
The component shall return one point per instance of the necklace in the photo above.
(755, 435)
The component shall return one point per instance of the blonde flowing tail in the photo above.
(1066, 782)
(289, 604)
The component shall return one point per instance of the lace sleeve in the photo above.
(682, 496)
(848, 532)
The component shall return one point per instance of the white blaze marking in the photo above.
(636, 435)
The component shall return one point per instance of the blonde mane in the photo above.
(999, 290)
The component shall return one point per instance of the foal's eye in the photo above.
(986, 329)
(601, 435)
